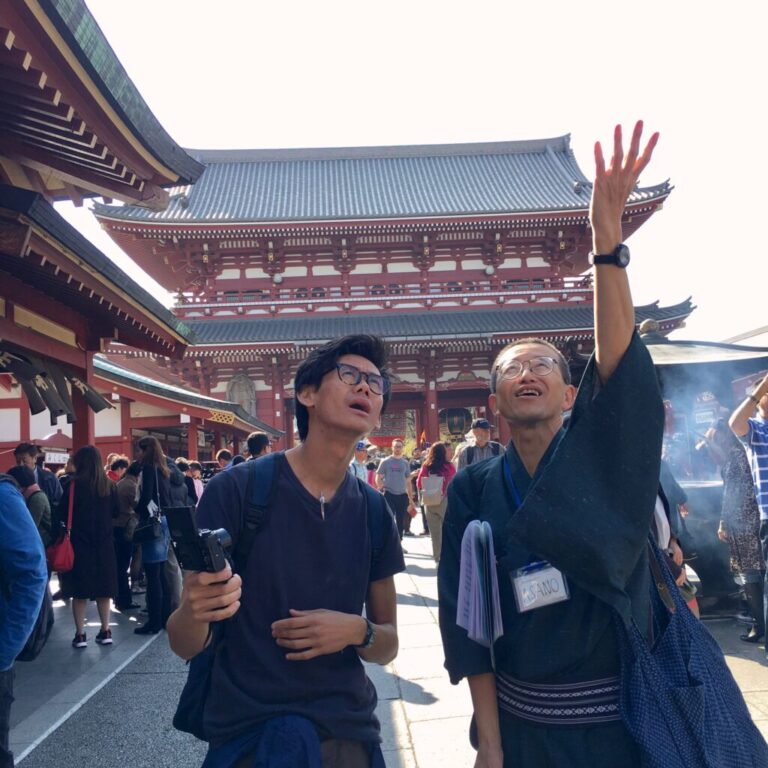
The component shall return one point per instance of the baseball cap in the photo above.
(361, 446)
(480, 424)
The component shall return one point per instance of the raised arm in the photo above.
(739, 421)
(614, 311)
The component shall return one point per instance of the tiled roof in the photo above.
(379, 183)
(108, 369)
(77, 26)
(435, 324)
(34, 207)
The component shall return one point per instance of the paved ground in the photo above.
(113, 705)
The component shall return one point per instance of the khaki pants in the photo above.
(435, 517)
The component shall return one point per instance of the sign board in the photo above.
(54, 457)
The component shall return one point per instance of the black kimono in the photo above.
(587, 511)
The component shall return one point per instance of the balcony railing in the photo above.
(533, 289)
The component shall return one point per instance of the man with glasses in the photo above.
(297, 646)
(392, 480)
(569, 509)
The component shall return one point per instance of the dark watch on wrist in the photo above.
(370, 635)
(619, 257)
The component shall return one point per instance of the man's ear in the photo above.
(492, 404)
(569, 397)
(306, 395)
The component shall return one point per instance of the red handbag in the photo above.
(61, 556)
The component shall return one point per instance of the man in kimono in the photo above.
(569, 510)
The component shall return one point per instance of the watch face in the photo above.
(622, 255)
(619, 257)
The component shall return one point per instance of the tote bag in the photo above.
(431, 490)
(678, 698)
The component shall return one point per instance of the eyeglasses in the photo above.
(352, 375)
(539, 366)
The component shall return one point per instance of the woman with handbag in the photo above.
(152, 532)
(90, 501)
(433, 478)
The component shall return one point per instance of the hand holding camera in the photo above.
(211, 590)
(211, 596)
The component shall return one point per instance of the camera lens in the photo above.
(222, 534)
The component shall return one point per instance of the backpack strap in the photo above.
(376, 507)
(496, 449)
(262, 482)
(470, 451)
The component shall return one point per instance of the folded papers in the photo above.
(479, 609)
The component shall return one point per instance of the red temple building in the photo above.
(447, 251)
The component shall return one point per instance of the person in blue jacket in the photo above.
(23, 577)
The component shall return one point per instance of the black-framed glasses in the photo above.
(352, 375)
(539, 366)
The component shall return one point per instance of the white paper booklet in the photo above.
(479, 609)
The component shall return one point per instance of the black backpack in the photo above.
(259, 494)
(470, 451)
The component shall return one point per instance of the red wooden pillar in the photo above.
(287, 425)
(432, 415)
(24, 423)
(235, 445)
(419, 421)
(192, 439)
(83, 432)
(126, 435)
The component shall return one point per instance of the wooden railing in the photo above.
(568, 288)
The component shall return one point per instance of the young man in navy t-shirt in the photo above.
(297, 640)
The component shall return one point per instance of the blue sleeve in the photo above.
(23, 574)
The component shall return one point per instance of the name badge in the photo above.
(537, 585)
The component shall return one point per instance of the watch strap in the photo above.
(370, 635)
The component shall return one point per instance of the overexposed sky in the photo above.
(257, 74)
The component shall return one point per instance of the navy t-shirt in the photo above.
(298, 560)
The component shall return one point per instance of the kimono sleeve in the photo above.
(589, 512)
(463, 657)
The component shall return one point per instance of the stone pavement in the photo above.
(107, 705)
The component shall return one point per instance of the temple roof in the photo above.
(113, 372)
(76, 24)
(422, 325)
(95, 271)
(379, 183)
(74, 124)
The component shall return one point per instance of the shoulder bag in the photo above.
(151, 528)
(60, 555)
(678, 697)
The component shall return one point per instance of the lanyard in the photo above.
(511, 482)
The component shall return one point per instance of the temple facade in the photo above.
(447, 251)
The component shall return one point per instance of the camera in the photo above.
(197, 549)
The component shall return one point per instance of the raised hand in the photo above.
(613, 186)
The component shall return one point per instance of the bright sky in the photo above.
(350, 73)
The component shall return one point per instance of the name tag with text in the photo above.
(537, 585)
